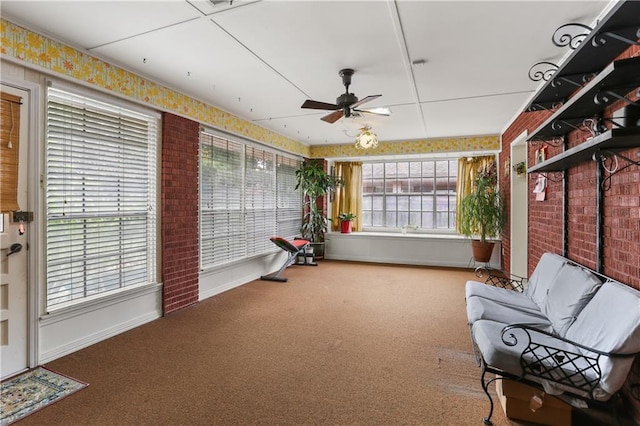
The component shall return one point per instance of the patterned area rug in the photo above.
(32, 391)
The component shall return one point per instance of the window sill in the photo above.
(409, 234)
(80, 308)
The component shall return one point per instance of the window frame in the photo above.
(250, 247)
(143, 208)
(451, 194)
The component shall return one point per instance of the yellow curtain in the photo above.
(467, 172)
(9, 148)
(348, 197)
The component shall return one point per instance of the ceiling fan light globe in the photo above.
(366, 139)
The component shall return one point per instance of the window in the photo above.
(100, 197)
(246, 197)
(417, 193)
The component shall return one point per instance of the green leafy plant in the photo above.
(346, 217)
(314, 183)
(483, 211)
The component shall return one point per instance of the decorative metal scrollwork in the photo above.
(571, 35)
(601, 38)
(565, 364)
(610, 162)
(542, 71)
(556, 142)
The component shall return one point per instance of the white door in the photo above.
(14, 343)
(519, 209)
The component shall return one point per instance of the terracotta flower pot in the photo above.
(482, 251)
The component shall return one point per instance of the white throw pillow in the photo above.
(542, 277)
(610, 323)
(572, 289)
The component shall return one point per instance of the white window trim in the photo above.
(111, 297)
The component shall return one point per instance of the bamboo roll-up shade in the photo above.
(9, 149)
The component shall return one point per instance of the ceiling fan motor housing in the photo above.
(346, 99)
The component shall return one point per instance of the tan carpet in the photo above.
(339, 344)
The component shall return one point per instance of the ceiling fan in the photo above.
(346, 104)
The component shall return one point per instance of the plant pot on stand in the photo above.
(483, 213)
(315, 183)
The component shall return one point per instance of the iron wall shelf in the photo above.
(612, 140)
(591, 56)
(618, 78)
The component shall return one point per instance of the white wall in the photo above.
(409, 249)
(68, 330)
(235, 274)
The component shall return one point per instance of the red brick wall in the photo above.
(180, 265)
(621, 236)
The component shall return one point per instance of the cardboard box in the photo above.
(516, 401)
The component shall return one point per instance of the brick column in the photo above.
(180, 267)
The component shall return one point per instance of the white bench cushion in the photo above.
(479, 308)
(502, 295)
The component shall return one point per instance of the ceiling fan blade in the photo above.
(333, 117)
(363, 100)
(379, 111)
(319, 105)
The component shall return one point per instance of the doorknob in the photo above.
(15, 248)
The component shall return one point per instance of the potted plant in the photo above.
(345, 222)
(314, 183)
(520, 168)
(483, 213)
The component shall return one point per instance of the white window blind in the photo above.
(222, 225)
(245, 193)
(100, 198)
(260, 199)
(289, 202)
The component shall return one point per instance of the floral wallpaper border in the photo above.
(419, 146)
(36, 49)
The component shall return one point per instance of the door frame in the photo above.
(519, 209)
(35, 229)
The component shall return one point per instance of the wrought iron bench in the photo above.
(563, 337)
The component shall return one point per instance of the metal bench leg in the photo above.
(485, 387)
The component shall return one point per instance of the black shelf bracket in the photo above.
(576, 80)
(610, 163)
(585, 125)
(601, 38)
(604, 97)
(544, 107)
(571, 34)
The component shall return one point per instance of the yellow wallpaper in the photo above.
(419, 146)
(27, 46)
(43, 52)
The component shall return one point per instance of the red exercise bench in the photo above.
(294, 249)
